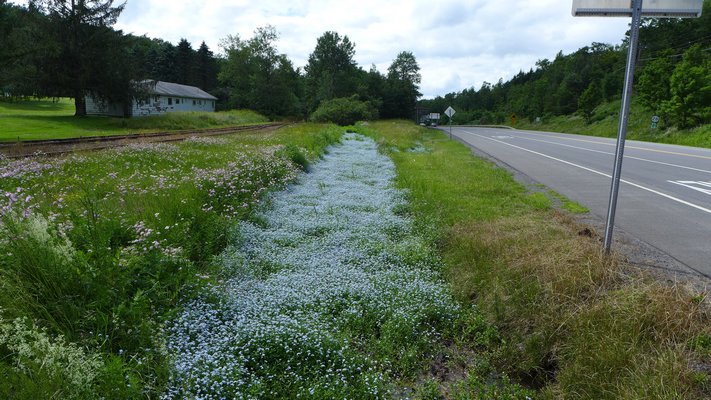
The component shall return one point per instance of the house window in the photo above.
(170, 101)
(177, 101)
(193, 102)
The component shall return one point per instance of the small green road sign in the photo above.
(655, 121)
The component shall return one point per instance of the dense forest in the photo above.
(68, 48)
(673, 80)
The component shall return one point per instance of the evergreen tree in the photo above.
(20, 50)
(185, 63)
(205, 68)
(81, 30)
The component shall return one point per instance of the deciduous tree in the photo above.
(653, 87)
(403, 84)
(690, 88)
(257, 76)
(331, 71)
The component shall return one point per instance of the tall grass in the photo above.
(572, 323)
(97, 249)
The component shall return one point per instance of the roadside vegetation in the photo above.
(53, 119)
(547, 310)
(328, 293)
(98, 249)
(140, 271)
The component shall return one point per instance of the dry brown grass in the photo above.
(584, 325)
(550, 310)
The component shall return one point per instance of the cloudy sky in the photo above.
(458, 44)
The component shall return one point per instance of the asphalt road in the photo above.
(665, 194)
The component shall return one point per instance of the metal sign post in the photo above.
(633, 8)
(450, 112)
(624, 117)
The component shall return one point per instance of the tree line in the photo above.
(673, 80)
(68, 48)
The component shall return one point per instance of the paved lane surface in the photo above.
(665, 197)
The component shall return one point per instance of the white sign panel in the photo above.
(650, 8)
(449, 111)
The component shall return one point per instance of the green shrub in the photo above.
(295, 155)
(342, 111)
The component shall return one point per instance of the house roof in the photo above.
(177, 90)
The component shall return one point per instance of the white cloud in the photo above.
(457, 44)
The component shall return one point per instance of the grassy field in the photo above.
(605, 120)
(48, 119)
(549, 311)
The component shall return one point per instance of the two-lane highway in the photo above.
(665, 194)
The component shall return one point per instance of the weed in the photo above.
(428, 390)
(322, 304)
(565, 318)
(105, 245)
(569, 205)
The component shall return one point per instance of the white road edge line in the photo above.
(678, 200)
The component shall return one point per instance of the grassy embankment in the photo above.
(98, 249)
(47, 119)
(605, 120)
(548, 309)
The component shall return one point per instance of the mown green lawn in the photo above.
(50, 119)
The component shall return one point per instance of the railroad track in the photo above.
(61, 146)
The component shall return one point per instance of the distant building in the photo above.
(159, 98)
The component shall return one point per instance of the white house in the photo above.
(161, 97)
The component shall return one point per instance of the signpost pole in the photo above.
(624, 118)
(450, 113)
